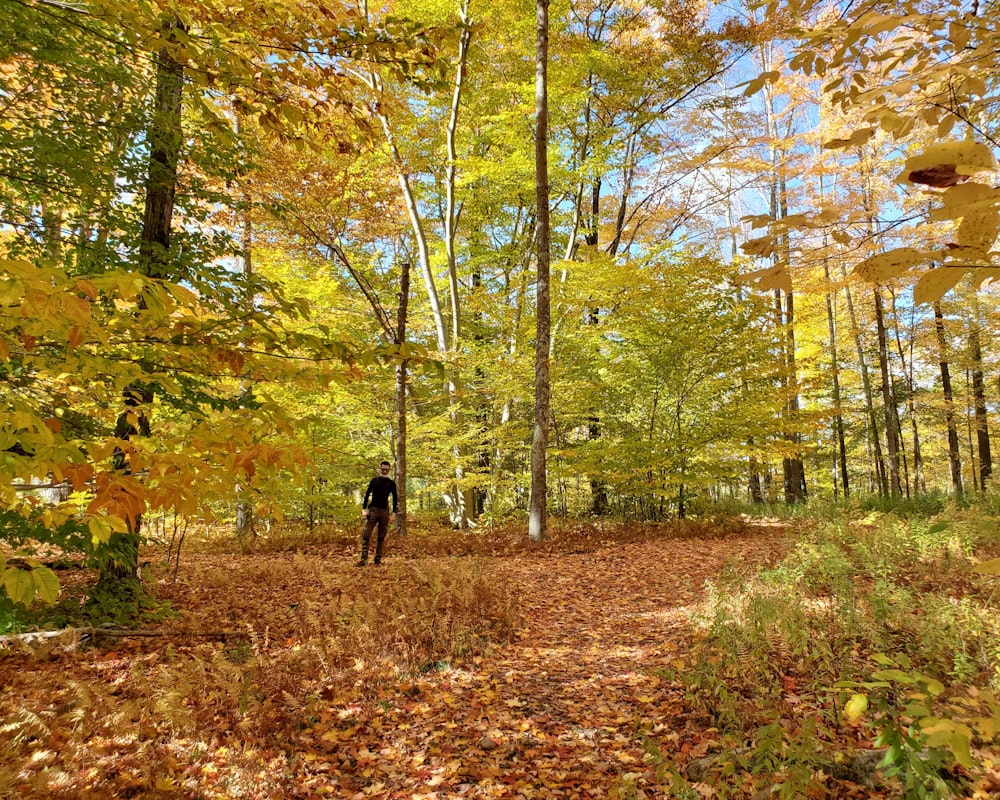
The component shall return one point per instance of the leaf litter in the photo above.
(563, 693)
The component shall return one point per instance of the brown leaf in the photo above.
(940, 176)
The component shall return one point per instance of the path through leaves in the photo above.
(578, 706)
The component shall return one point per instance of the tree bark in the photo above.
(401, 370)
(919, 484)
(954, 449)
(245, 510)
(866, 383)
(119, 573)
(537, 517)
(888, 399)
(979, 399)
(838, 416)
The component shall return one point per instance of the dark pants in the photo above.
(380, 517)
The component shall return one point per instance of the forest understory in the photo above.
(607, 662)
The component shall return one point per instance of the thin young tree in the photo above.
(540, 432)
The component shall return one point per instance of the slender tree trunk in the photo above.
(245, 510)
(866, 385)
(970, 428)
(888, 400)
(838, 415)
(979, 398)
(451, 169)
(401, 369)
(795, 474)
(537, 516)
(919, 485)
(954, 449)
(462, 498)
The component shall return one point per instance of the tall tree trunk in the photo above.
(888, 399)
(451, 169)
(120, 576)
(919, 484)
(537, 516)
(979, 398)
(954, 451)
(461, 501)
(866, 384)
(401, 368)
(244, 509)
(794, 469)
(838, 415)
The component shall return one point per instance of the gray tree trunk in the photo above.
(537, 516)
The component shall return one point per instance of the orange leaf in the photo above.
(75, 337)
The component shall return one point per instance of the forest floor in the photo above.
(578, 701)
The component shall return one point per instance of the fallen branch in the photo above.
(87, 633)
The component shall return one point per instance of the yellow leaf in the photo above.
(758, 247)
(886, 266)
(959, 200)
(100, 529)
(979, 229)
(19, 585)
(935, 283)
(856, 707)
(46, 584)
(775, 277)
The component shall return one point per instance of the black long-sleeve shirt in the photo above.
(378, 491)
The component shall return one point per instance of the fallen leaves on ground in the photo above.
(575, 702)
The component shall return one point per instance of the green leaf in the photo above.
(937, 527)
(895, 675)
(46, 584)
(19, 586)
(960, 749)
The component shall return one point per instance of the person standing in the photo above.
(375, 510)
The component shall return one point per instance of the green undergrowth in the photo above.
(872, 634)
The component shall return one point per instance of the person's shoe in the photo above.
(378, 562)
(361, 563)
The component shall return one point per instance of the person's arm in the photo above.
(395, 499)
(368, 495)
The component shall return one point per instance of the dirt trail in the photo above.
(578, 707)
